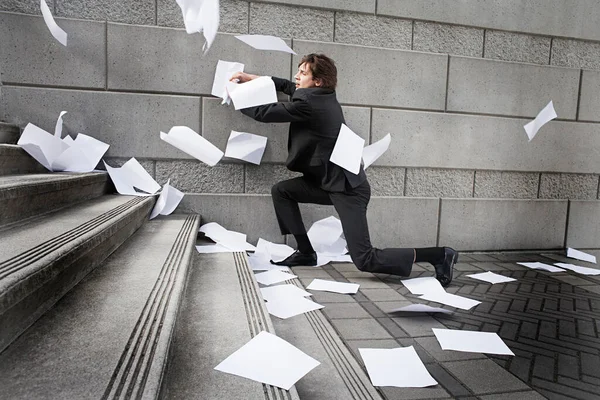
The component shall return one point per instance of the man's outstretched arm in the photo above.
(294, 111)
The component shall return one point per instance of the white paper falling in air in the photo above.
(400, 367)
(333, 286)
(55, 30)
(373, 151)
(545, 116)
(167, 202)
(580, 255)
(256, 92)
(491, 277)
(59, 125)
(132, 175)
(348, 150)
(471, 341)
(246, 146)
(201, 16)
(325, 233)
(188, 141)
(266, 42)
(542, 266)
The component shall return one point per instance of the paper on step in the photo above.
(55, 30)
(224, 72)
(420, 308)
(277, 292)
(333, 286)
(259, 262)
(580, 255)
(423, 285)
(287, 307)
(272, 251)
(348, 150)
(373, 151)
(246, 146)
(491, 277)
(235, 241)
(83, 155)
(545, 116)
(471, 341)
(269, 359)
(399, 367)
(272, 277)
(253, 93)
(266, 42)
(132, 175)
(41, 145)
(539, 265)
(213, 248)
(450, 300)
(578, 269)
(167, 202)
(188, 141)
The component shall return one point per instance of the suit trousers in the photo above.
(351, 206)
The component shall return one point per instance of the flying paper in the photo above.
(266, 42)
(372, 152)
(348, 150)
(235, 241)
(83, 155)
(130, 176)
(59, 125)
(253, 93)
(545, 116)
(188, 141)
(246, 146)
(167, 202)
(224, 72)
(55, 30)
(201, 16)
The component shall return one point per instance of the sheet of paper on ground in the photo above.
(471, 341)
(399, 367)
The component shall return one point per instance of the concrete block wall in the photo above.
(453, 82)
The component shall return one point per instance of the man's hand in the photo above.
(242, 77)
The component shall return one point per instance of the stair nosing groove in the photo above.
(154, 310)
(43, 249)
(255, 317)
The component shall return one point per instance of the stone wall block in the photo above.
(234, 15)
(575, 54)
(196, 177)
(584, 230)
(365, 6)
(386, 181)
(25, 6)
(31, 55)
(430, 182)
(384, 77)
(511, 46)
(589, 104)
(452, 39)
(569, 186)
(506, 184)
(286, 21)
(372, 30)
(499, 87)
(141, 12)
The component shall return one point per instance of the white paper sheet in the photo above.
(287, 307)
(451, 300)
(421, 308)
(41, 145)
(333, 286)
(272, 277)
(272, 251)
(539, 265)
(348, 150)
(491, 277)
(213, 248)
(121, 181)
(253, 93)
(261, 263)
(55, 30)
(324, 233)
(224, 72)
(188, 141)
(59, 125)
(423, 285)
(209, 19)
(578, 269)
(269, 359)
(471, 341)
(167, 202)
(246, 146)
(191, 15)
(399, 367)
(266, 42)
(83, 155)
(140, 178)
(545, 116)
(235, 241)
(580, 255)
(373, 151)
(277, 292)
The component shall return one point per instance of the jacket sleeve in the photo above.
(283, 85)
(294, 111)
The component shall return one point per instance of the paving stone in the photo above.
(418, 326)
(360, 329)
(528, 395)
(435, 392)
(382, 294)
(311, 273)
(574, 280)
(568, 366)
(556, 391)
(392, 328)
(344, 310)
(373, 30)
(451, 39)
(354, 274)
(521, 368)
(373, 310)
(590, 365)
(450, 383)
(489, 266)
(369, 283)
(484, 376)
(543, 367)
(328, 297)
(388, 306)
(464, 267)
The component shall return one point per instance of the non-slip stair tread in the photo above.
(74, 349)
(17, 180)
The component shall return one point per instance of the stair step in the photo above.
(108, 337)
(9, 133)
(14, 160)
(42, 260)
(25, 196)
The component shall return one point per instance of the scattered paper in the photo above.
(276, 293)
(223, 73)
(269, 359)
(333, 286)
(167, 202)
(130, 176)
(55, 30)
(188, 141)
(261, 263)
(59, 125)
(287, 307)
(471, 341)
(579, 270)
(272, 251)
(545, 116)
(373, 151)
(234, 241)
(539, 265)
(246, 146)
(272, 277)
(253, 93)
(491, 277)
(213, 248)
(423, 285)
(348, 150)
(201, 16)
(421, 308)
(325, 235)
(83, 155)
(399, 367)
(41, 145)
(266, 42)
(580, 255)
(450, 300)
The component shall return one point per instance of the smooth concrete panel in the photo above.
(366, 6)
(584, 229)
(31, 55)
(384, 77)
(589, 104)
(127, 11)
(359, 120)
(423, 139)
(578, 19)
(373, 30)
(510, 46)
(505, 88)
(493, 224)
(169, 60)
(285, 21)
(129, 123)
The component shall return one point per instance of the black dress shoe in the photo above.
(297, 259)
(443, 271)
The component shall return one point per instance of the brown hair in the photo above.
(323, 68)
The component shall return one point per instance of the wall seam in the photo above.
(412, 36)
(550, 53)
(567, 223)
(334, 23)
(474, 179)
(598, 189)
(370, 125)
(249, 9)
(439, 222)
(156, 12)
(447, 83)
(539, 185)
(483, 44)
(405, 180)
(106, 55)
(579, 95)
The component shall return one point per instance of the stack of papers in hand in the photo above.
(188, 141)
(256, 92)
(234, 241)
(223, 73)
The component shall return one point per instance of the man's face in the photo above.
(304, 78)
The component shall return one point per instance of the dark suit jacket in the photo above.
(315, 118)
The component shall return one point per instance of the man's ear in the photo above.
(318, 82)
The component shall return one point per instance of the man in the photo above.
(315, 118)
